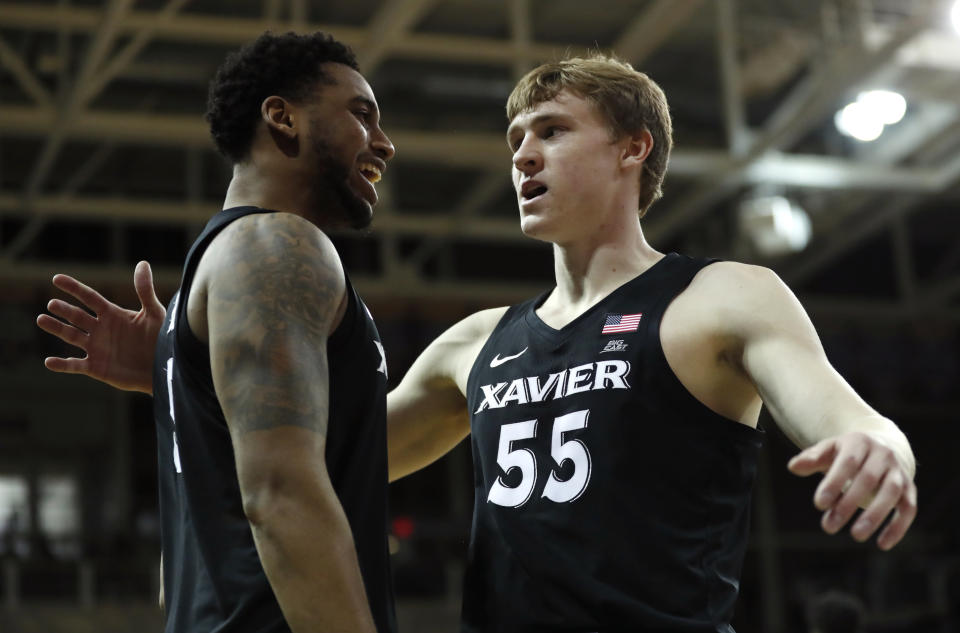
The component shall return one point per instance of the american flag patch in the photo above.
(621, 323)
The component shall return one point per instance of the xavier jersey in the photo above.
(607, 498)
(213, 578)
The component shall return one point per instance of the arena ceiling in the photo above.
(105, 158)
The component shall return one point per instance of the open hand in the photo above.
(119, 343)
(861, 471)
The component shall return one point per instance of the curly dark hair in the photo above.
(286, 65)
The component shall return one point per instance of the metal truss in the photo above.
(904, 173)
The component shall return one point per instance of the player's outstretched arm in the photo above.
(427, 412)
(866, 459)
(118, 343)
(273, 289)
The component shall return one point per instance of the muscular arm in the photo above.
(867, 459)
(273, 287)
(427, 412)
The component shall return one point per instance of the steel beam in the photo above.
(652, 27)
(36, 223)
(211, 29)
(176, 212)
(89, 90)
(521, 34)
(12, 62)
(734, 117)
(483, 192)
(879, 217)
(824, 172)
(476, 292)
(271, 10)
(807, 105)
(489, 151)
(298, 13)
(97, 51)
(492, 293)
(839, 242)
(388, 27)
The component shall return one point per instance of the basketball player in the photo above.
(613, 418)
(269, 379)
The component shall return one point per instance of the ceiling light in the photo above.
(774, 225)
(955, 16)
(887, 106)
(865, 118)
(858, 121)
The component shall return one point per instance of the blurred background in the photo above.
(816, 137)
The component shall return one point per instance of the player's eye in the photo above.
(551, 130)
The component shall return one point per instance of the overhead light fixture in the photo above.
(865, 118)
(887, 105)
(955, 16)
(857, 121)
(774, 225)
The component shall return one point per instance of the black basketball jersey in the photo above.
(213, 578)
(607, 498)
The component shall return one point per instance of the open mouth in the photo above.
(529, 193)
(370, 171)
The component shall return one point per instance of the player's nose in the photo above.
(527, 157)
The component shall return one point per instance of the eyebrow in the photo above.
(535, 121)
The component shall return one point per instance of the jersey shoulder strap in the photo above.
(513, 313)
(185, 338)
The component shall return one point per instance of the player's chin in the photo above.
(360, 214)
(536, 227)
(356, 200)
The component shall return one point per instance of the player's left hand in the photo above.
(861, 471)
(118, 343)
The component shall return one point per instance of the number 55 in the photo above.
(555, 489)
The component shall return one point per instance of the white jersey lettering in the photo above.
(614, 371)
(516, 392)
(539, 393)
(606, 374)
(490, 396)
(580, 379)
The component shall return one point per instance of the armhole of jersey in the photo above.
(191, 350)
(349, 321)
(507, 316)
(690, 403)
(692, 267)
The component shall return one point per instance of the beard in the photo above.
(341, 204)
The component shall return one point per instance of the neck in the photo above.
(251, 185)
(591, 268)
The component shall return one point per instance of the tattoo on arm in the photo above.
(270, 307)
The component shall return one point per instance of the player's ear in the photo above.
(279, 116)
(636, 148)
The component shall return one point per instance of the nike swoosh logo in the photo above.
(497, 361)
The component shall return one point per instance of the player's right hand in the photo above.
(119, 343)
(861, 470)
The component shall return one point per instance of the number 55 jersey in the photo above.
(607, 498)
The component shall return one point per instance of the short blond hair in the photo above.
(627, 99)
